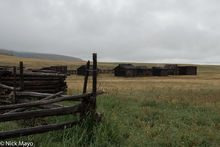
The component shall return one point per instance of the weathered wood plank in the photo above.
(35, 94)
(41, 113)
(43, 74)
(37, 82)
(46, 106)
(31, 78)
(8, 87)
(44, 102)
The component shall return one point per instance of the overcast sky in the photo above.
(175, 31)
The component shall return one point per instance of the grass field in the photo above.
(143, 111)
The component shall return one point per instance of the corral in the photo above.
(58, 69)
(34, 81)
(19, 101)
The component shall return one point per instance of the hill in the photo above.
(7, 60)
(39, 55)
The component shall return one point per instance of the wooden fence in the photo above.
(18, 109)
(71, 72)
(30, 80)
(100, 71)
(106, 71)
(59, 69)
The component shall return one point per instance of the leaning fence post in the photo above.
(86, 77)
(21, 76)
(85, 101)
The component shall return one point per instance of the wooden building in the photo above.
(106, 71)
(172, 69)
(129, 70)
(187, 70)
(143, 71)
(149, 72)
(159, 71)
(125, 70)
(82, 70)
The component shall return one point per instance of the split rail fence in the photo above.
(21, 103)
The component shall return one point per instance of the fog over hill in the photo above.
(39, 55)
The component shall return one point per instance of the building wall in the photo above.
(81, 70)
(191, 70)
(187, 70)
(160, 72)
(119, 72)
(124, 72)
(130, 73)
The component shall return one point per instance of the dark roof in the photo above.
(188, 66)
(141, 67)
(126, 66)
(171, 66)
(84, 66)
(158, 67)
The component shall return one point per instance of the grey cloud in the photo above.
(119, 30)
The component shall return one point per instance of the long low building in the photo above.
(129, 70)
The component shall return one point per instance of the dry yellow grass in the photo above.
(204, 87)
(207, 80)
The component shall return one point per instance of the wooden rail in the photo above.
(8, 87)
(41, 113)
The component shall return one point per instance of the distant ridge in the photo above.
(39, 55)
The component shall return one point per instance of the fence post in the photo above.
(92, 99)
(96, 116)
(90, 103)
(14, 90)
(21, 76)
(94, 79)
